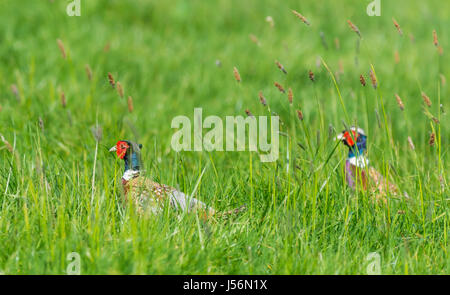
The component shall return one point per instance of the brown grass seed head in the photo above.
(290, 95)
(278, 85)
(397, 26)
(362, 80)
(399, 102)
(61, 48)
(111, 80)
(426, 99)
(236, 74)
(262, 99)
(130, 104)
(303, 19)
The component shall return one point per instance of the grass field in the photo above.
(60, 189)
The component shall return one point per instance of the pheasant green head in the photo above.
(130, 152)
(355, 139)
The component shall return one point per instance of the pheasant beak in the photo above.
(339, 137)
(113, 149)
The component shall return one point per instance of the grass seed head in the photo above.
(41, 124)
(130, 104)
(236, 74)
(63, 99)
(280, 66)
(107, 47)
(278, 85)
(399, 102)
(97, 132)
(396, 57)
(15, 91)
(354, 28)
(254, 39)
(337, 43)
(248, 113)
(269, 19)
(262, 99)
(111, 80)
(362, 80)
(426, 99)
(88, 71)
(443, 80)
(119, 89)
(373, 79)
(311, 76)
(432, 140)
(397, 26)
(61, 48)
(303, 19)
(290, 95)
(435, 39)
(300, 115)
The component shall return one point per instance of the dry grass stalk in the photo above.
(373, 79)
(410, 143)
(300, 115)
(399, 102)
(280, 66)
(311, 76)
(63, 99)
(426, 99)
(88, 71)
(397, 26)
(432, 139)
(290, 95)
(111, 80)
(354, 28)
(130, 104)
(362, 80)
(119, 89)
(236, 74)
(262, 99)
(303, 19)
(61, 47)
(435, 39)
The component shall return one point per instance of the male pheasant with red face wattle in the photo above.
(150, 195)
(357, 166)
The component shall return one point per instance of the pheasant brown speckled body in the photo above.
(148, 195)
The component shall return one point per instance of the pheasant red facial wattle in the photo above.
(121, 149)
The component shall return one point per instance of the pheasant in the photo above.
(357, 166)
(152, 196)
